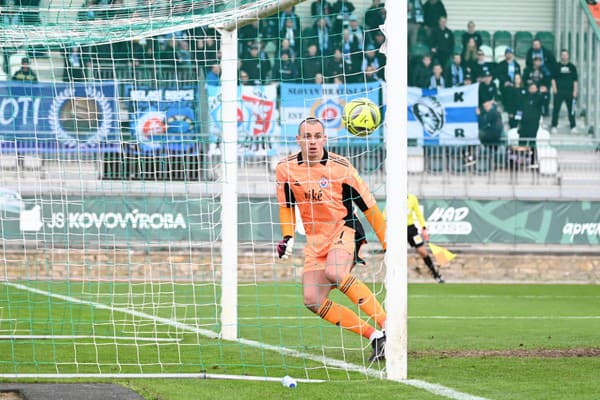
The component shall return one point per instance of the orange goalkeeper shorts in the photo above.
(344, 239)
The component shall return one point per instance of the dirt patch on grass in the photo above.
(10, 396)
(523, 353)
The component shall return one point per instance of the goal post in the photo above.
(396, 255)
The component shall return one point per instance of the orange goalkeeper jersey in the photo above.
(324, 193)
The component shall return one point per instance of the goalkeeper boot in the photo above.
(378, 345)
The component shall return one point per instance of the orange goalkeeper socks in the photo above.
(360, 294)
(344, 317)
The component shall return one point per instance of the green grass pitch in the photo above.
(491, 341)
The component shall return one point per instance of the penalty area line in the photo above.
(436, 389)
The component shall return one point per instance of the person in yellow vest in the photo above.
(416, 239)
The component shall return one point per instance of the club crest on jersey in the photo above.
(323, 182)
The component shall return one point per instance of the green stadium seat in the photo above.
(419, 50)
(486, 38)
(458, 34)
(502, 38)
(547, 39)
(523, 41)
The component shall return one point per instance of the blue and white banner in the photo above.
(163, 118)
(443, 116)
(257, 117)
(325, 102)
(59, 114)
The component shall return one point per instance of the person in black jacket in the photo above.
(537, 50)
(442, 42)
(471, 33)
(285, 68)
(433, 10)
(541, 77)
(564, 88)
(511, 99)
(422, 73)
(506, 71)
(530, 111)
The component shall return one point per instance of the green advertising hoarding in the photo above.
(154, 220)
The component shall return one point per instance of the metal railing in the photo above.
(578, 32)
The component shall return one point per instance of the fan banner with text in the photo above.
(257, 117)
(56, 115)
(325, 102)
(163, 118)
(443, 116)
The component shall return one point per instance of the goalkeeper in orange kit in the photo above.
(325, 186)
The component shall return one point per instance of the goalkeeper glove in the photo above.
(285, 247)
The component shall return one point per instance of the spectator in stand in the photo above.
(321, 9)
(205, 49)
(471, 33)
(422, 73)
(213, 76)
(246, 36)
(433, 10)
(311, 64)
(289, 14)
(269, 32)
(370, 60)
(335, 66)
(374, 16)
(141, 53)
(469, 57)
(74, 65)
(341, 9)
(537, 50)
(530, 111)
(356, 31)
(487, 90)
(319, 34)
(511, 98)
(352, 56)
(257, 69)
(25, 73)
(416, 17)
(506, 71)
(10, 16)
(244, 79)
(371, 75)
(285, 68)
(379, 40)
(319, 80)
(541, 77)
(442, 42)
(564, 88)
(482, 66)
(437, 81)
(286, 47)
(290, 33)
(455, 73)
(468, 79)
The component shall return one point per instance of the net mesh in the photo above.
(61, 22)
(111, 182)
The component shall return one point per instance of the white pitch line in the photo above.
(430, 387)
(68, 337)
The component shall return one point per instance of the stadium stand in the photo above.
(523, 41)
(502, 38)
